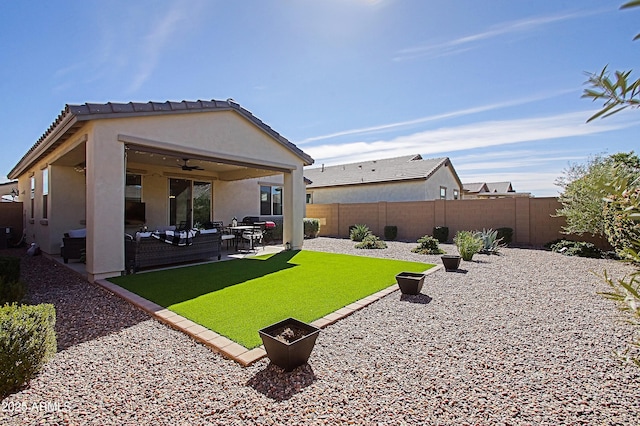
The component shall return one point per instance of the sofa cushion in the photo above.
(78, 233)
(209, 231)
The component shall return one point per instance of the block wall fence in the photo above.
(11, 215)
(531, 219)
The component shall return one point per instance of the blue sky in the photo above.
(495, 84)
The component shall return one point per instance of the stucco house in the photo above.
(99, 165)
(8, 191)
(407, 178)
(491, 190)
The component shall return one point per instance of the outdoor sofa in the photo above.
(74, 243)
(146, 250)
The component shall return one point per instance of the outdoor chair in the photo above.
(254, 236)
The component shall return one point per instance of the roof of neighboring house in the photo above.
(500, 187)
(483, 187)
(475, 187)
(72, 117)
(409, 167)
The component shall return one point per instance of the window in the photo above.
(133, 188)
(443, 193)
(309, 198)
(456, 194)
(33, 194)
(270, 200)
(45, 193)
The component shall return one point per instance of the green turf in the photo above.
(237, 298)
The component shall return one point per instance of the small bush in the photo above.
(11, 291)
(576, 248)
(311, 227)
(27, 342)
(490, 241)
(390, 232)
(359, 232)
(505, 235)
(428, 245)
(620, 228)
(441, 233)
(274, 234)
(10, 268)
(468, 244)
(371, 242)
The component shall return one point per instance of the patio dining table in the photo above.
(238, 230)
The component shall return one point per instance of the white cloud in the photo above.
(463, 43)
(472, 136)
(157, 39)
(452, 114)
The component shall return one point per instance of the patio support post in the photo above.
(105, 206)
(293, 208)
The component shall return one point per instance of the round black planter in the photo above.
(410, 282)
(450, 262)
(289, 355)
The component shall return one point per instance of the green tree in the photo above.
(617, 93)
(586, 186)
(622, 208)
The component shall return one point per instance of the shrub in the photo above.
(619, 227)
(441, 233)
(468, 244)
(11, 291)
(359, 232)
(428, 245)
(490, 241)
(505, 235)
(311, 227)
(576, 248)
(390, 232)
(371, 242)
(10, 268)
(274, 234)
(27, 342)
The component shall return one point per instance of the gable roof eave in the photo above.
(71, 115)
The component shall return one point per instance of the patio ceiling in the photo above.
(172, 163)
(139, 157)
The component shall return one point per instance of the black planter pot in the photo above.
(451, 262)
(410, 282)
(289, 353)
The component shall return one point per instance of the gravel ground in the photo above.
(516, 339)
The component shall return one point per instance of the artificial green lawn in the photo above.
(236, 298)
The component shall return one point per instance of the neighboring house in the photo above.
(9, 191)
(155, 164)
(491, 190)
(408, 178)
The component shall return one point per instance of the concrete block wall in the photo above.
(532, 219)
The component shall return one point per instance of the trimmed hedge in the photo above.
(506, 235)
(11, 291)
(10, 268)
(390, 232)
(311, 227)
(441, 233)
(27, 342)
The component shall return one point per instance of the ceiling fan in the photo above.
(188, 168)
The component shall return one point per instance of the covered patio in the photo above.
(116, 168)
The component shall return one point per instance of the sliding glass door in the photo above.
(189, 203)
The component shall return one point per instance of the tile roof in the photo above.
(500, 187)
(67, 121)
(386, 170)
(484, 187)
(475, 187)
